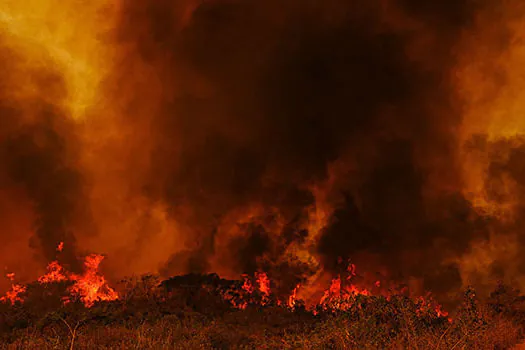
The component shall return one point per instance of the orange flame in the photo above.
(292, 299)
(264, 286)
(91, 286)
(55, 273)
(13, 295)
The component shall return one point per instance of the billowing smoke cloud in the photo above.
(37, 168)
(236, 136)
(255, 100)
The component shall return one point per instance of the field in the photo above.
(198, 312)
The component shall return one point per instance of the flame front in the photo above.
(89, 287)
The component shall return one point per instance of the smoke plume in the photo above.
(291, 137)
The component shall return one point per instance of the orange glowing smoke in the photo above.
(13, 295)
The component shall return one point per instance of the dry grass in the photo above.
(335, 333)
(150, 321)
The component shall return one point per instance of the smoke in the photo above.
(37, 171)
(236, 136)
(255, 101)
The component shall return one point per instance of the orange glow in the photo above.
(71, 33)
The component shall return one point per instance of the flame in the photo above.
(340, 295)
(292, 299)
(13, 295)
(55, 273)
(91, 286)
(264, 286)
(340, 298)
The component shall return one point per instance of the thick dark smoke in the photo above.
(229, 113)
(288, 89)
(36, 145)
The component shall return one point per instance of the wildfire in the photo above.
(89, 287)
(292, 299)
(340, 295)
(264, 286)
(55, 273)
(13, 295)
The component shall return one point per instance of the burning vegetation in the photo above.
(344, 166)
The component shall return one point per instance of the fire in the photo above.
(91, 286)
(264, 286)
(122, 150)
(55, 273)
(340, 295)
(13, 295)
(292, 299)
(426, 304)
(247, 285)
